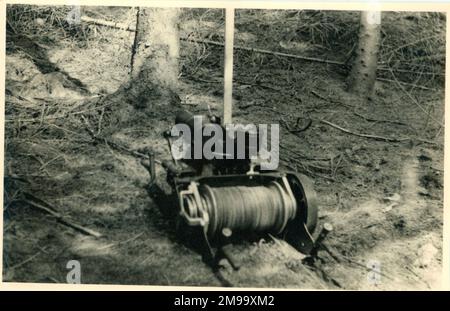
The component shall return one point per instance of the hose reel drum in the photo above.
(220, 198)
(275, 203)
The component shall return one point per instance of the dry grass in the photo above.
(412, 43)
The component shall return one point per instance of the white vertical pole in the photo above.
(228, 72)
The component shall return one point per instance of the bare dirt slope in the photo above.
(384, 198)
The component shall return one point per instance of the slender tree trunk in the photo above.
(153, 81)
(362, 77)
(156, 46)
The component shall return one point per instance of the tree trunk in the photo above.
(151, 88)
(362, 77)
(156, 46)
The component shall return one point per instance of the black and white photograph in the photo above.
(224, 147)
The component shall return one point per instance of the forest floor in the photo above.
(384, 198)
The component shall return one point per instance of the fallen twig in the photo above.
(365, 267)
(54, 280)
(338, 257)
(102, 22)
(318, 95)
(7, 227)
(293, 164)
(49, 210)
(263, 51)
(375, 137)
(121, 242)
(59, 115)
(26, 260)
(418, 276)
(405, 83)
(114, 144)
(378, 120)
(425, 73)
(331, 100)
(411, 43)
(414, 100)
(288, 149)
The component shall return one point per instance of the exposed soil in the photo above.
(384, 199)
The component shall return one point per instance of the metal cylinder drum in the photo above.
(241, 208)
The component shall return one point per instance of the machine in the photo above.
(219, 201)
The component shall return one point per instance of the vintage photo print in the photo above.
(224, 146)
